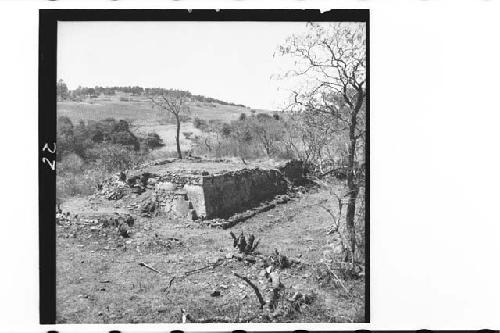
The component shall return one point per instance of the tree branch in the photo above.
(254, 287)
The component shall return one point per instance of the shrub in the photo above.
(153, 140)
(113, 158)
(200, 124)
(263, 117)
(124, 138)
(65, 137)
(81, 138)
(226, 129)
(71, 163)
(187, 135)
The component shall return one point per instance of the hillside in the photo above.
(138, 112)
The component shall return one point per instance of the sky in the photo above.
(231, 61)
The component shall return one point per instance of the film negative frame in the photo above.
(48, 19)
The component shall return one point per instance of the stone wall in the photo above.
(234, 192)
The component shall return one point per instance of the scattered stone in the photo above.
(213, 260)
(275, 279)
(123, 230)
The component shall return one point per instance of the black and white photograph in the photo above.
(249, 166)
(212, 171)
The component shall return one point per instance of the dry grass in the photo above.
(100, 280)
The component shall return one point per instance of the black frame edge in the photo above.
(47, 75)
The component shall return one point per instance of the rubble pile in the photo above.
(100, 225)
(160, 244)
(113, 188)
(63, 218)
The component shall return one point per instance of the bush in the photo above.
(124, 138)
(187, 135)
(251, 137)
(65, 137)
(71, 163)
(113, 158)
(200, 124)
(82, 138)
(153, 140)
(226, 129)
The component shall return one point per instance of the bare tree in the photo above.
(330, 62)
(175, 103)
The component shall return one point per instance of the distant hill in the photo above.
(94, 92)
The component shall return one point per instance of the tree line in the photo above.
(63, 93)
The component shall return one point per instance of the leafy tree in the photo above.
(62, 90)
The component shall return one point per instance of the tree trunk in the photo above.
(353, 194)
(352, 185)
(178, 138)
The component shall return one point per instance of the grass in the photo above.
(139, 110)
(99, 279)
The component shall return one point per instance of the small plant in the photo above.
(279, 260)
(243, 244)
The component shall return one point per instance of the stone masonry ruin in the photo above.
(201, 190)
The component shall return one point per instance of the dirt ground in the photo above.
(100, 279)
